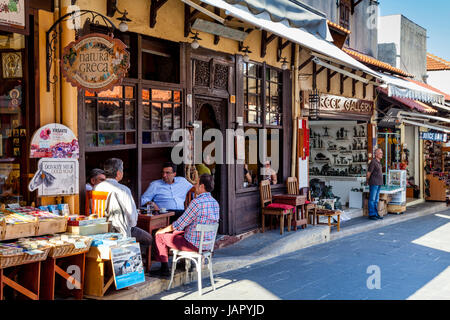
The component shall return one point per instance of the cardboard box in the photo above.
(382, 207)
(89, 229)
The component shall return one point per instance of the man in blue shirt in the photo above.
(169, 192)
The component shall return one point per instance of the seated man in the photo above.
(95, 177)
(120, 206)
(181, 234)
(168, 192)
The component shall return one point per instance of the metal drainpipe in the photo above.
(295, 100)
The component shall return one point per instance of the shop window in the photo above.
(344, 16)
(262, 123)
(160, 60)
(111, 117)
(162, 114)
(13, 130)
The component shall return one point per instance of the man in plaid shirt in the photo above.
(181, 234)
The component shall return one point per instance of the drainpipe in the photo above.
(295, 106)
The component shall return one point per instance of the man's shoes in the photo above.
(379, 217)
(373, 218)
(164, 271)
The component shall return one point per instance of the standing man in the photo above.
(181, 234)
(120, 206)
(168, 192)
(375, 180)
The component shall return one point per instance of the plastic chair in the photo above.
(197, 257)
(274, 209)
(96, 200)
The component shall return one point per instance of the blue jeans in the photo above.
(374, 197)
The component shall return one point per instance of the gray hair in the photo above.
(112, 166)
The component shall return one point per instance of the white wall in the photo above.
(440, 80)
(389, 30)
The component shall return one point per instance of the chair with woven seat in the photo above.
(197, 257)
(274, 209)
(310, 207)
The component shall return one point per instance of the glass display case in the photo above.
(397, 178)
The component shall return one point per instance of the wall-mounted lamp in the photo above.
(111, 9)
(246, 57)
(284, 66)
(195, 44)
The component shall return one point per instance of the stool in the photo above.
(329, 214)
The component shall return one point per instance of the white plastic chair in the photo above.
(197, 257)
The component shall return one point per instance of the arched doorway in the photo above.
(211, 113)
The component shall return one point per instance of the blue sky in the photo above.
(433, 15)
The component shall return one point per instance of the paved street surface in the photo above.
(409, 260)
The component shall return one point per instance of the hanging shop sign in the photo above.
(54, 141)
(343, 104)
(55, 177)
(95, 62)
(13, 15)
(434, 136)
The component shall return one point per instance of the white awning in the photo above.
(395, 116)
(406, 89)
(297, 35)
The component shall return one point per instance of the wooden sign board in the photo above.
(14, 16)
(95, 62)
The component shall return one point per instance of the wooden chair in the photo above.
(292, 185)
(310, 208)
(274, 209)
(189, 197)
(96, 203)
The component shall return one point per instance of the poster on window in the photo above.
(54, 141)
(12, 13)
(127, 265)
(55, 177)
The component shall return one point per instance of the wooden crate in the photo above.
(89, 229)
(15, 231)
(98, 277)
(51, 226)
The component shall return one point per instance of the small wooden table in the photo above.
(151, 223)
(329, 214)
(295, 201)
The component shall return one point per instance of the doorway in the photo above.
(212, 113)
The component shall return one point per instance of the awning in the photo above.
(283, 29)
(410, 103)
(398, 87)
(396, 116)
(296, 14)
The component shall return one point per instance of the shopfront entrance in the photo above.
(211, 112)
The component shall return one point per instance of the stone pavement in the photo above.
(401, 261)
(260, 247)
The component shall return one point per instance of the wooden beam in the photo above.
(155, 5)
(354, 4)
(314, 83)
(241, 43)
(190, 16)
(265, 40)
(304, 64)
(281, 46)
(353, 84)
(216, 37)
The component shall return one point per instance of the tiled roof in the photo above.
(336, 26)
(374, 62)
(446, 96)
(435, 63)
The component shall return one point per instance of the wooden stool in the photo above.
(329, 214)
(313, 208)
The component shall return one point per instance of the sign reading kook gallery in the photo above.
(95, 62)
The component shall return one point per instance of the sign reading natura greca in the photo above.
(342, 104)
(95, 62)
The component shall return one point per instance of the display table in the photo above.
(295, 201)
(341, 185)
(392, 191)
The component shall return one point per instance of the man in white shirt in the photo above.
(120, 206)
